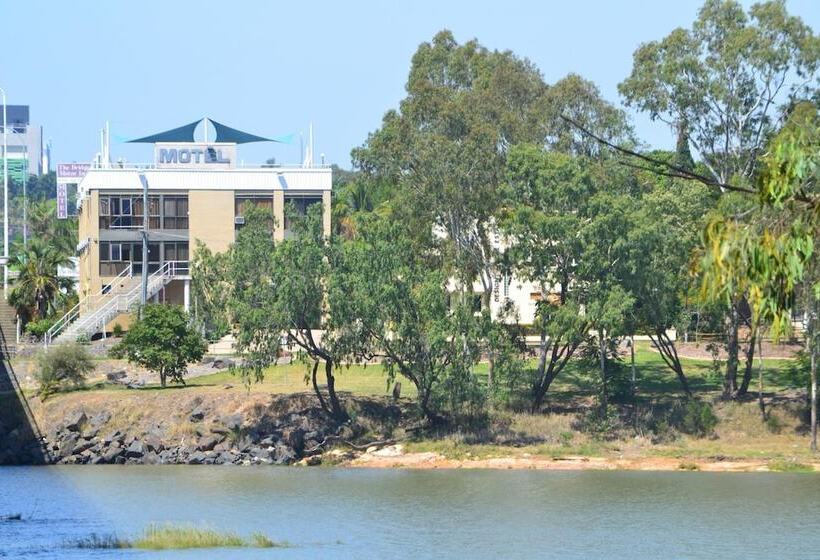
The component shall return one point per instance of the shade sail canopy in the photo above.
(227, 134)
(224, 133)
(181, 134)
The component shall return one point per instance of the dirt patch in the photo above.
(699, 351)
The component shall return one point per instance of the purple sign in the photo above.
(62, 201)
(72, 170)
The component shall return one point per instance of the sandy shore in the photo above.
(395, 457)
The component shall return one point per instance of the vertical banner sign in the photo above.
(62, 201)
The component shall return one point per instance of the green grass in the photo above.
(789, 466)
(174, 537)
(653, 378)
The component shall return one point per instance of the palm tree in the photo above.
(38, 291)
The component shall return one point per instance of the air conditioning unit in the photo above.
(239, 220)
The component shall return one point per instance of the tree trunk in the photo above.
(813, 416)
(667, 350)
(730, 379)
(336, 408)
(539, 390)
(602, 352)
(747, 371)
(316, 390)
(760, 378)
(632, 363)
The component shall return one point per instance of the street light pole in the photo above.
(5, 201)
(144, 295)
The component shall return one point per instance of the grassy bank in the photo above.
(639, 430)
(174, 537)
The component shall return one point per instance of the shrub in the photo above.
(698, 419)
(61, 365)
(117, 330)
(83, 339)
(600, 424)
(39, 328)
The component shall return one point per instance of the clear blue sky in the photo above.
(271, 68)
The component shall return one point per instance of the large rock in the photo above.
(90, 432)
(283, 455)
(75, 421)
(207, 443)
(136, 450)
(111, 454)
(197, 458)
(100, 419)
(82, 445)
(116, 376)
(68, 444)
(153, 443)
(232, 422)
(197, 414)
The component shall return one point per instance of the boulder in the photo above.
(67, 445)
(283, 455)
(196, 458)
(197, 414)
(90, 432)
(232, 422)
(82, 445)
(75, 421)
(222, 363)
(207, 443)
(100, 419)
(116, 376)
(313, 460)
(136, 450)
(153, 443)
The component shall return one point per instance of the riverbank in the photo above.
(227, 425)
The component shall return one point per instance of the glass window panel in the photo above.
(116, 252)
(170, 207)
(170, 252)
(105, 251)
(104, 207)
(125, 204)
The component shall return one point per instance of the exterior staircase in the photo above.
(93, 312)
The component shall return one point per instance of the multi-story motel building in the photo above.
(196, 191)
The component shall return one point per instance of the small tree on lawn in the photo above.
(163, 341)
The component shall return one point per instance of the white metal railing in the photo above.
(120, 303)
(238, 165)
(74, 312)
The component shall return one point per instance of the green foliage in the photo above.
(163, 341)
(62, 365)
(389, 301)
(601, 423)
(38, 292)
(117, 330)
(209, 291)
(40, 327)
(720, 80)
(698, 418)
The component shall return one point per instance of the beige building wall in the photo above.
(326, 212)
(88, 227)
(279, 215)
(210, 219)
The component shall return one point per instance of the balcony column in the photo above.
(186, 295)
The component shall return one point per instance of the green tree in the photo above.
(667, 221)
(162, 340)
(61, 364)
(718, 85)
(722, 80)
(38, 292)
(390, 302)
(210, 292)
(779, 259)
(549, 197)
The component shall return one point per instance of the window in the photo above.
(176, 251)
(175, 212)
(245, 202)
(296, 206)
(114, 258)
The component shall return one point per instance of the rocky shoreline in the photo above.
(209, 439)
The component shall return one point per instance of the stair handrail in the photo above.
(74, 312)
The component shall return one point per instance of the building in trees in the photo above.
(196, 191)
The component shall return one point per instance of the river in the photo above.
(359, 513)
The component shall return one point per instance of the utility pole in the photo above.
(5, 202)
(144, 297)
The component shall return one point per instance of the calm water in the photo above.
(338, 513)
